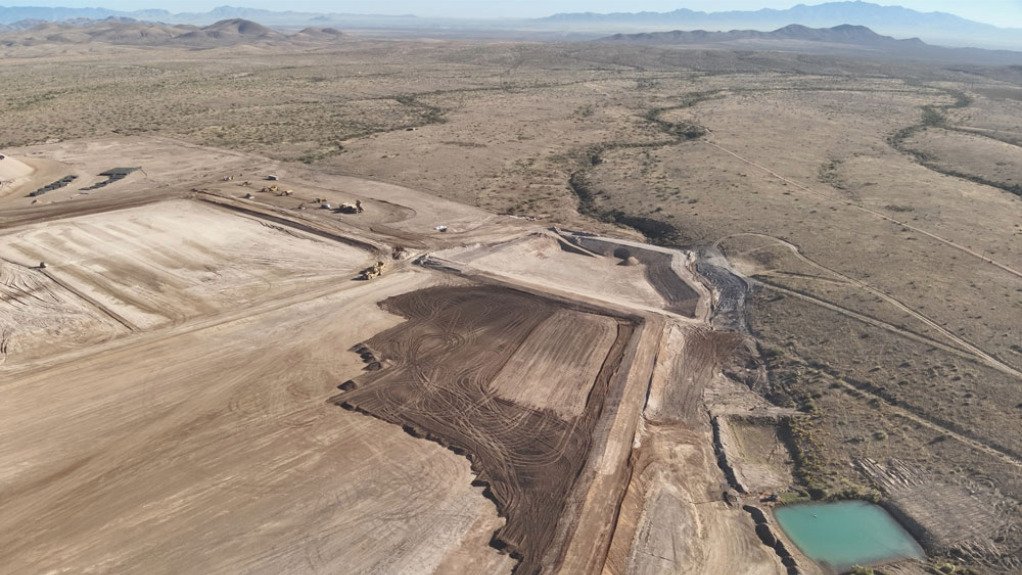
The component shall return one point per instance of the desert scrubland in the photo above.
(629, 293)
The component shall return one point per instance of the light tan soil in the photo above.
(172, 261)
(213, 449)
(543, 259)
(556, 366)
(759, 456)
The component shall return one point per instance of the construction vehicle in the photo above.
(355, 208)
(372, 272)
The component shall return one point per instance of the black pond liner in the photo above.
(54, 186)
(114, 175)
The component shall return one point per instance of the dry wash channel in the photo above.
(442, 363)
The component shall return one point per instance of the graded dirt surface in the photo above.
(445, 359)
(171, 261)
(39, 316)
(673, 500)
(543, 258)
(555, 368)
(841, 265)
(212, 449)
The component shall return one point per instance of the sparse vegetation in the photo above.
(885, 297)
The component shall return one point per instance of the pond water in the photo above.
(842, 535)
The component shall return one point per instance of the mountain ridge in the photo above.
(12, 14)
(842, 34)
(933, 27)
(838, 40)
(126, 31)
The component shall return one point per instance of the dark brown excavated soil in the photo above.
(679, 296)
(436, 385)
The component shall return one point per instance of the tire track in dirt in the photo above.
(441, 362)
(92, 301)
(964, 345)
(80, 295)
(895, 406)
(880, 324)
(874, 213)
(936, 426)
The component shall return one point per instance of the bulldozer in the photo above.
(355, 208)
(372, 272)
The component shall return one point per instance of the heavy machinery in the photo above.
(371, 272)
(355, 208)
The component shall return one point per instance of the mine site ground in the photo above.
(632, 298)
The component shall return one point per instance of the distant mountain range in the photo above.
(843, 34)
(126, 31)
(839, 40)
(933, 27)
(13, 16)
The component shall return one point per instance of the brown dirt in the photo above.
(211, 448)
(445, 358)
(963, 520)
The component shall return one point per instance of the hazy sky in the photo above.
(1000, 12)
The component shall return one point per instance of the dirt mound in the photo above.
(444, 358)
(12, 169)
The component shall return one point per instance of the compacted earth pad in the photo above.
(437, 382)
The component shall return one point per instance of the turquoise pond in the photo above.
(845, 534)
